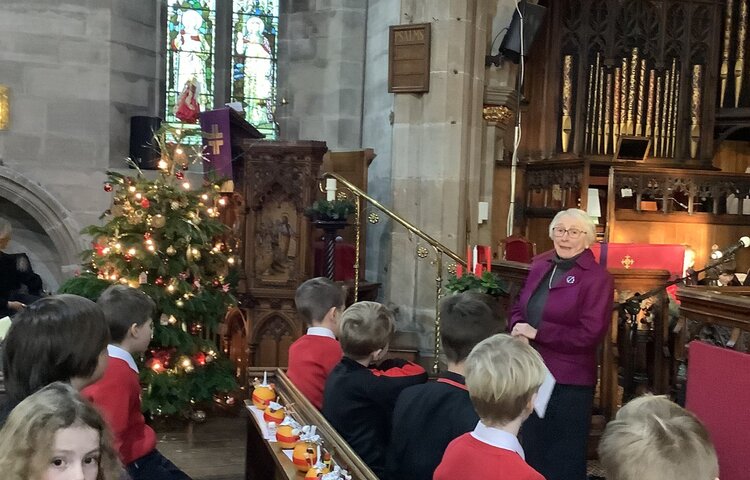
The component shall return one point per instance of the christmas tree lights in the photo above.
(164, 236)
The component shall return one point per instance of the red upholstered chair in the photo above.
(718, 393)
(517, 248)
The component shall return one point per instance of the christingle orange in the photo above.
(288, 433)
(263, 393)
(306, 452)
(274, 413)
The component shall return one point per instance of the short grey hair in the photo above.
(587, 223)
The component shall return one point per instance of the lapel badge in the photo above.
(570, 279)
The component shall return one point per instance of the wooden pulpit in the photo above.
(278, 181)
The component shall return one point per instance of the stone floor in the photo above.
(212, 450)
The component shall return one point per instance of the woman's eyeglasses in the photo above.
(573, 233)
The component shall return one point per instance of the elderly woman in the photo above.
(564, 311)
(19, 284)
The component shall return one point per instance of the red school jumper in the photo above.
(311, 359)
(117, 396)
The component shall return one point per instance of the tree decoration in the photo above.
(167, 241)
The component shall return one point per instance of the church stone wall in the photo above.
(320, 71)
(76, 70)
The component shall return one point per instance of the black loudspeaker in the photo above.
(533, 15)
(143, 150)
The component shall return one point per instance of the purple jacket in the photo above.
(575, 319)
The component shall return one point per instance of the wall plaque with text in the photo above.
(409, 58)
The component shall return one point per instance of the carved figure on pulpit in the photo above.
(276, 241)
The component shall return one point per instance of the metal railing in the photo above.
(438, 247)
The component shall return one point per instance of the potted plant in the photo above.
(336, 211)
(488, 287)
(488, 283)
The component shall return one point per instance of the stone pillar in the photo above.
(436, 156)
(321, 71)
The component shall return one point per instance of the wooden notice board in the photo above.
(409, 58)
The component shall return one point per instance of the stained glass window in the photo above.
(254, 42)
(191, 43)
(190, 53)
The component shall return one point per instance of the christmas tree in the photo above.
(164, 236)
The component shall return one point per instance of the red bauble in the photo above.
(145, 203)
(107, 187)
(147, 235)
(159, 281)
(179, 175)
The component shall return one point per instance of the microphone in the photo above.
(744, 242)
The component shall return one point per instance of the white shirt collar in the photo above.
(497, 438)
(116, 352)
(321, 332)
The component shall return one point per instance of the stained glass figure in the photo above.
(255, 33)
(190, 52)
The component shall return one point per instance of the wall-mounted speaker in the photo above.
(532, 16)
(143, 150)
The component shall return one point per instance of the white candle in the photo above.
(330, 189)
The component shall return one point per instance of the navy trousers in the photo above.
(155, 466)
(556, 445)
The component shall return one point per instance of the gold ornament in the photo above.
(174, 205)
(158, 221)
(171, 250)
(373, 218)
(452, 268)
(422, 251)
(341, 195)
(116, 210)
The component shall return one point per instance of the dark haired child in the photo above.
(358, 401)
(129, 313)
(428, 417)
(319, 303)
(62, 338)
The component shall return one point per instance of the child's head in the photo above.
(465, 320)
(652, 437)
(52, 434)
(503, 374)
(129, 313)
(318, 300)
(365, 328)
(62, 338)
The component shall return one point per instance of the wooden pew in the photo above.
(266, 461)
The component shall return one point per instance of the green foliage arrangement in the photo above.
(488, 283)
(324, 210)
(164, 237)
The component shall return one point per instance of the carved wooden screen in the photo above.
(637, 67)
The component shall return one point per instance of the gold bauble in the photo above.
(158, 221)
(171, 250)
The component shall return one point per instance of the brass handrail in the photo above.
(439, 248)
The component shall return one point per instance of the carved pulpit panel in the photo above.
(278, 181)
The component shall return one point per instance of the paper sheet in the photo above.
(4, 327)
(258, 414)
(544, 394)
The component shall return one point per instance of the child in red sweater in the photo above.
(503, 375)
(118, 394)
(319, 303)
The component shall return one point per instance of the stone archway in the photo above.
(51, 215)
